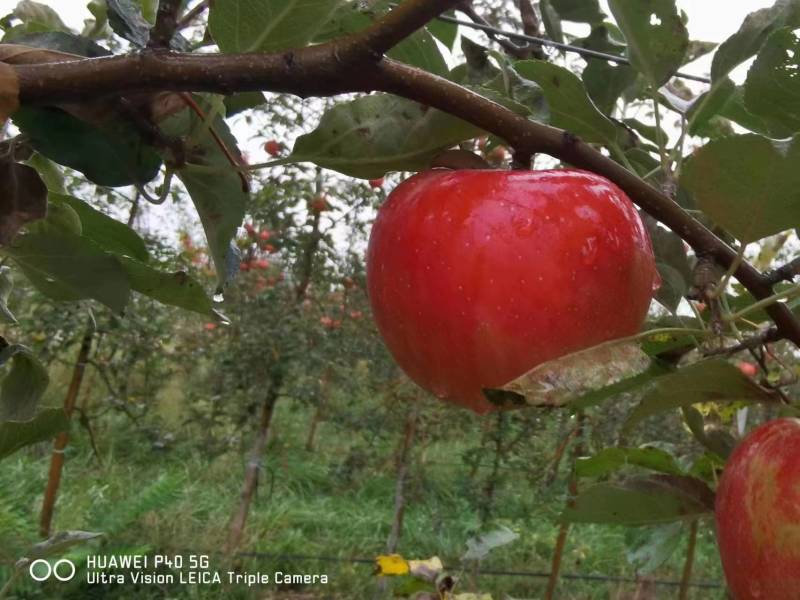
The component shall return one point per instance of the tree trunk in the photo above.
(61, 441)
(490, 487)
(561, 540)
(236, 530)
(318, 411)
(403, 456)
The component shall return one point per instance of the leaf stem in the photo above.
(688, 564)
(768, 301)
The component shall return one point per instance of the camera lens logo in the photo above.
(42, 570)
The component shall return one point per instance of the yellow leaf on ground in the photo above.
(391, 564)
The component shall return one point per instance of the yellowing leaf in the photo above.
(563, 380)
(426, 569)
(391, 564)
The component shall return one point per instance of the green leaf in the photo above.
(418, 49)
(378, 133)
(176, 289)
(6, 285)
(747, 183)
(642, 501)
(236, 103)
(108, 233)
(268, 25)
(707, 381)
(581, 11)
(112, 155)
(49, 171)
(735, 110)
(63, 42)
(444, 31)
(570, 106)
(23, 386)
(609, 460)
(67, 266)
(217, 190)
(44, 426)
(772, 90)
(756, 27)
(125, 18)
(605, 83)
(38, 17)
(551, 21)
(651, 547)
(672, 263)
(657, 38)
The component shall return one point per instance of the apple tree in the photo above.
(710, 167)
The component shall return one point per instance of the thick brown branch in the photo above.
(351, 65)
(402, 22)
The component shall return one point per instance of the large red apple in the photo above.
(475, 277)
(758, 514)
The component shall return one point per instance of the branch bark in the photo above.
(355, 64)
(60, 443)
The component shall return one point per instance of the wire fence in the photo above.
(539, 41)
(489, 572)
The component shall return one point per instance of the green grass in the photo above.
(336, 502)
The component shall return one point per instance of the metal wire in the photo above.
(491, 572)
(587, 52)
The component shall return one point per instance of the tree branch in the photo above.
(786, 272)
(466, 7)
(354, 64)
(192, 14)
(166, 22)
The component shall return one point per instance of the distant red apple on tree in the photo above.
(475, 277)
(376, 183)
(748, 368)
(273, 147)
(319, 204)
(758, 514)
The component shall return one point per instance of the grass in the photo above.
(336, 502)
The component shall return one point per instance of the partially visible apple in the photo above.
(758, 514)
(477, 276)
(748, 368)
(376, 183)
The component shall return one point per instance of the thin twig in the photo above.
(786, 272)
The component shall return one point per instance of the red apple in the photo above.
(319, 204)
(273, 147)
(244, 266)
(376, 183)
(210, 326)
(748, 368)
(261, 263)
(264, 234)
(758, 514)
(248, 227)
(475, 277)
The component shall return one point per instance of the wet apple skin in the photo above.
(477, 276)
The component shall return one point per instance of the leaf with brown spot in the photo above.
(564, 380)
(23, 198)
